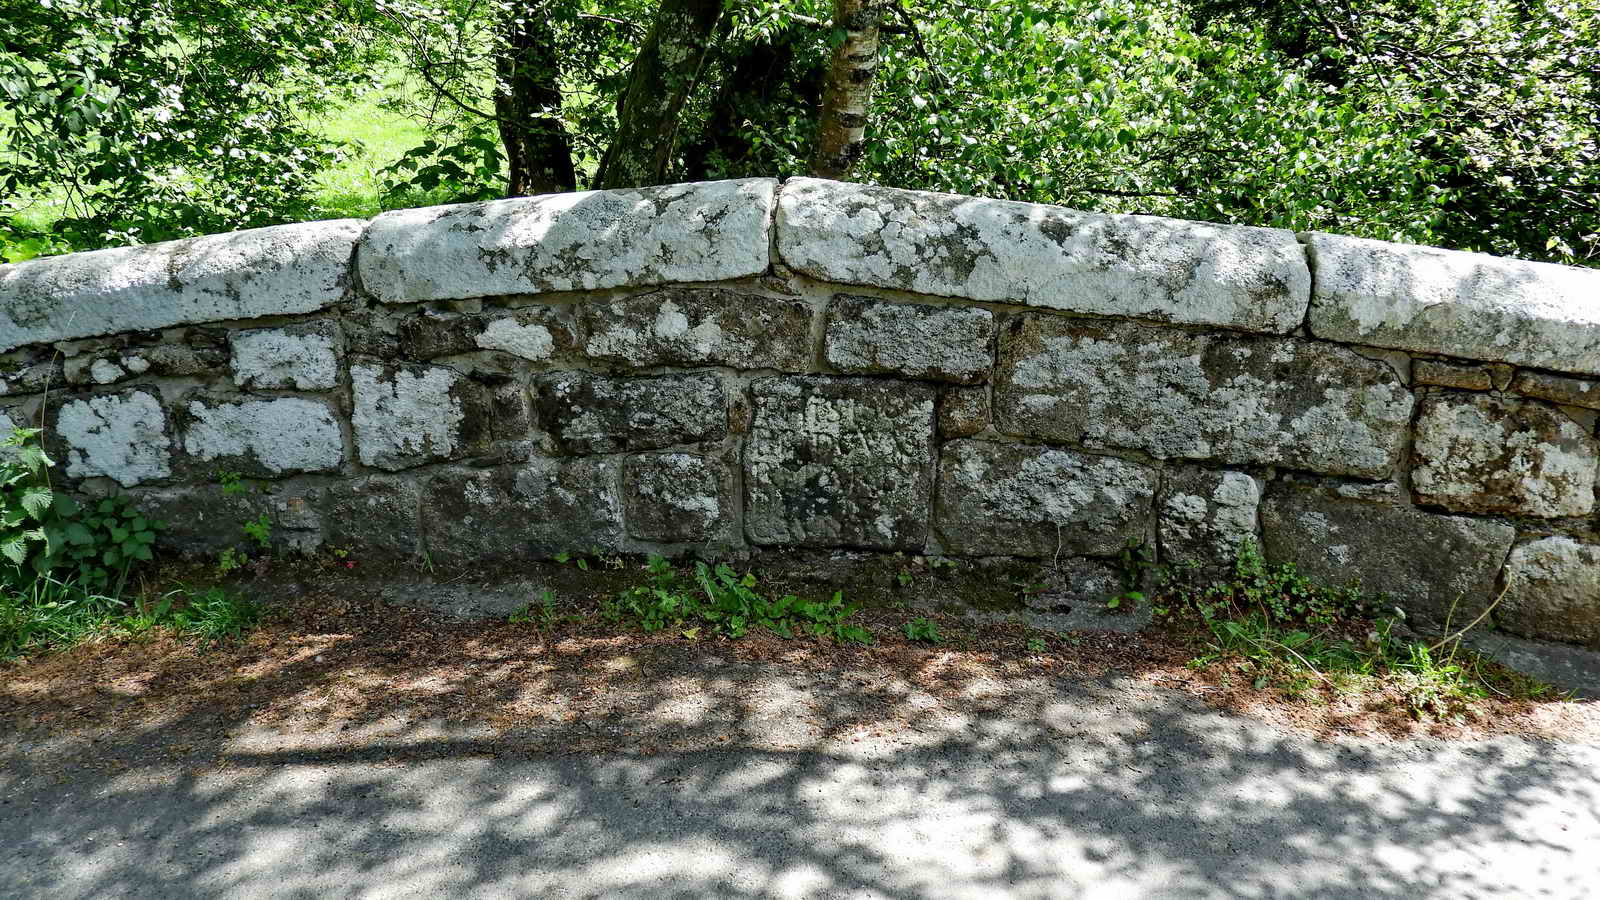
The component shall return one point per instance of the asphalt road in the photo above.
(1096, 790)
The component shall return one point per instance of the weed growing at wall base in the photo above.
(719, 598)
(1279, 629)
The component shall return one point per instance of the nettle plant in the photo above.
(45, 533)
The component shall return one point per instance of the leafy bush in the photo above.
(43, 532)
(728, 603)
(923, 630)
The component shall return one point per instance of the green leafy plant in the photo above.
(45, 532)
(923, 630)
(544, 614)
(1132, 562)
(1281, 629)
(729, 604)
(260, 531)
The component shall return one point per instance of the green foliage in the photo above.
(1132, 563)
(729, 604)
(48, 613)
(923, 630)
(44, 533)
(1282, 630)
(152, 119)
(544, 615)
(214, 614)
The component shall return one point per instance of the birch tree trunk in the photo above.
(847, 93)
(663, 75)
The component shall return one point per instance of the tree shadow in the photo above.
(733, 778)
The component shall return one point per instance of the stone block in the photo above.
(1483, 454)
(587, 413)
(296, 357)
(1553, 591)
(1451, 375)
(376, 518)
(536, 334)
(700, 326)
(1558, 389)
(513, 514)
(1253, 279)
(410, 415)
(1019, 500)
(277, 436)
(1205, 515)
(839, 462)
(123, 436)
(676, 497)
(940, 343)
(1424, 562)
(1215, 397)
(578, 241)
(1467, 305)
(281, 270)
(963, 411)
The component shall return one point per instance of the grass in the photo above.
(49, 614)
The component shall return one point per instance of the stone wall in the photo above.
(733, 366)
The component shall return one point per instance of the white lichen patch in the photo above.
(405, 417)
(120, 436)
(698, 326)
(583, 240)
(944, 343)
(1478, 453)
(532, 342)
(1553, 591)
(1205, 515)
(672, 497)
(1016, 499)
(280, 270)
(1466, 305)
(1177, 394)
(1254, 279)
(278, 358)
(281, 435)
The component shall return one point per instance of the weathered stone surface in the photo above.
(1455, 304)
(586, 240)
(412, 415)
(1205, 515)
(1443, 374)
(1553, 591)
(277, 436)
(514, 514)
(298, 357)
(1073, 597)
(263, 272)
(1567, 668)
(30, 377)
(1424, 562)
(198, 520)
(963, 411)
(1016, 499)
(700, 326)
(943, 343)
(375, 518)
(536, 334)
(676, 497)
(1557, 389)
(1478, 453)
(588, 413)
(1172, 393)
(1253, 279)
(121, 436)
(839, 462)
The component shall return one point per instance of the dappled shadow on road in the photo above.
(718, 776)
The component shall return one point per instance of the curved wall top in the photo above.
(727, 366)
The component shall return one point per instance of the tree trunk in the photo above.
(663, 75)
(847, 94)
(527, 100)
